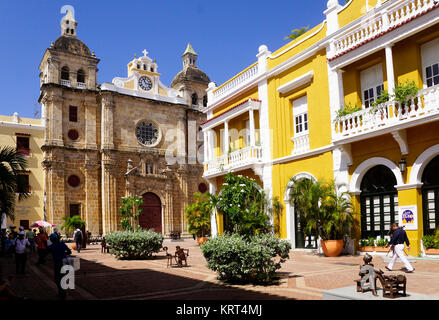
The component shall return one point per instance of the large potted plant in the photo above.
(431, 243)
(326, 210)
(198, 216)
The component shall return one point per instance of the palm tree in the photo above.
(12, 163)
(325, 209)
(72, 223)
(296, 33)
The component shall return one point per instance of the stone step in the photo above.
(350, 293)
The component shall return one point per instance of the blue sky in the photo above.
(225, 34)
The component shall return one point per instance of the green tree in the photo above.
(198, 215)
(12, 163)
(72, 223)
(296, 33)
(130, 210)
(243, 205)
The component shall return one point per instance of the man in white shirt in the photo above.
(20, 252)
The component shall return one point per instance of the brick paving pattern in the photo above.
(303, 277)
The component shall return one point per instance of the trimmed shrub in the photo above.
(240, 259)
(134, 245)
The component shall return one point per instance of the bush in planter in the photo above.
(382, 242)
(134, 245)
(242, 259)
(430, 242)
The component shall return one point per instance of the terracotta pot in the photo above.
(201, 240)
(367, 249)
(381, 249)
(73, 246)
(431, 251)
(332, 248)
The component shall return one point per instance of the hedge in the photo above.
(134, 245)
(240, 259)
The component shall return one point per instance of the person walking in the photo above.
(397, 240)
(30, 236)
(41, 241)
(77, 236)
(59, 252)
(20, 252)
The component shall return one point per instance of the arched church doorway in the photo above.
(430, 196)
(151, 217)
(379, 201)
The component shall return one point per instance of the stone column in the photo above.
(90, 125)
(91, 197)
(109, 196)
(168, 213)
(54, 121)
(107, 124)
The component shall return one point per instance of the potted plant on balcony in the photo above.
(198, 216)
(326, 211)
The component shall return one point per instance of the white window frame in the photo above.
(430, 58)
(372, 83)
(300, 111)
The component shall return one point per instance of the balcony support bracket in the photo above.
(400, 137)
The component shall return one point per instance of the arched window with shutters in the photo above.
(379, 201)
(430, 196)
(205, 101)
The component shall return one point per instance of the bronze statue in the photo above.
(368, 277)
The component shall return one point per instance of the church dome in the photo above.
(71, 45)
(190, 74)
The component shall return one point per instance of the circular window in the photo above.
(147, 133)
(74, 181)
(73, 134)
(202, 187)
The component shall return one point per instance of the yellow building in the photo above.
(27, 136)
(287, 115)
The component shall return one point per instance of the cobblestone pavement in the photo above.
(303, 277)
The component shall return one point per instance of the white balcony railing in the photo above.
(234, 160)
(385, 20)
(81, 85)
(236, 82)
(388, 115)
(65, 83)
(301, 144)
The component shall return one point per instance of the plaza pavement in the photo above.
(303, 277)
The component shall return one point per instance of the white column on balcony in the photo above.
(205, 146)
(211, 145)
(226, 138)
(336, 91)
(252, 128)
(390, 70)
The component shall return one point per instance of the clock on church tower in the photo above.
(145, 83)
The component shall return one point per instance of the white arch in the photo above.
(290, 208)
(357, 176)
(421, 162)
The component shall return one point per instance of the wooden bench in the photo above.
(393, 286)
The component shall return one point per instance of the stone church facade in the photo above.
(133, 136)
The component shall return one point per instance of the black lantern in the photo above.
(402, 165)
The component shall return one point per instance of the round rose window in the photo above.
(74, 181)
(73, 134)
(147, 133)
